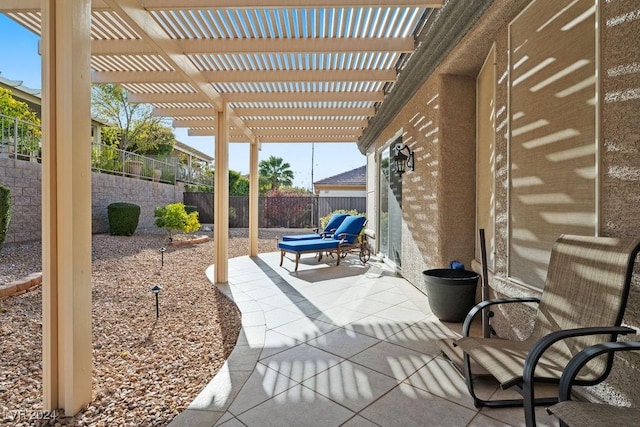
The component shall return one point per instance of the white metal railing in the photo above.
(19, 139)
(108, 159)
(22, 140)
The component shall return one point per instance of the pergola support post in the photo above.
(253, 198)
(221, 197)
(66, 205)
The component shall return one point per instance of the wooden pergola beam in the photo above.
(34, 5)
(280, 138)
(274, 123)
(282, 4)
(259, 46)
(267, 112)
(163, 98)
(239, 76)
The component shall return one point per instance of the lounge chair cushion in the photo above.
(350, 228)
(308, 245)
(297, 237)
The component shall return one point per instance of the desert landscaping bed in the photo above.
(145, 371)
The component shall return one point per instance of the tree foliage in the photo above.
(276, 172)
(132, 127)
(9, 106)
(174, 217)
(285, 203)
(29, 132)
(5, 212)
(238, 184)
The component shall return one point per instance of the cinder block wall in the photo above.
(24, 180)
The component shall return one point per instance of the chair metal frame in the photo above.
(525, 384)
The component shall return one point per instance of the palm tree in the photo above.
(276, 172)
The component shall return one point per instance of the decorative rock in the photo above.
(154, 383)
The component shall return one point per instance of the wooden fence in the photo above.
(275, 212)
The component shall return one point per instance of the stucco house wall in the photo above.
(342, 192)
(438, 123)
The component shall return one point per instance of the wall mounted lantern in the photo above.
(402, 161)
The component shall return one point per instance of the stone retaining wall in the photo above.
(24, 180)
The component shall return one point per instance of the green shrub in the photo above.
(123, 218)
(167, 176)
(5, 212)
(325, 219)
(174, 217)
(190, 208)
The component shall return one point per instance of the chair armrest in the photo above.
(343, 236)
(578, 361)
(548, 340)
(466, 326)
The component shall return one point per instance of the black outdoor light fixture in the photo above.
(156, 290)
(162, 251)
(402, 161)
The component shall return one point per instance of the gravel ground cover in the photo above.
(146, 371)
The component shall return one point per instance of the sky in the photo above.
(20, 61)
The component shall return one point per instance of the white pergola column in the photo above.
(253, 198)
(66, 205)
(221, 197)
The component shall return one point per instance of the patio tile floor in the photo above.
(347, 345)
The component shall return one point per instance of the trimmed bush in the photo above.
(190, 208)
(123, 218)
(5, 212)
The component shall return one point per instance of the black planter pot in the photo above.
(451, 292)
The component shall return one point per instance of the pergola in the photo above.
(248, 71)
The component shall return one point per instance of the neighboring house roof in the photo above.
(350, 178)
(17, 84)
(33, 97)
(180, 146)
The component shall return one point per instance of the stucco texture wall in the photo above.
(24, 180)
(439, 126)
(620, 168)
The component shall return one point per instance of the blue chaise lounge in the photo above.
(344, 239)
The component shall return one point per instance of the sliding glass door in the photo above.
(390, 224)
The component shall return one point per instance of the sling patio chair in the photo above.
(582, 304)
(587, 414)
(345, 239)
(328, 231)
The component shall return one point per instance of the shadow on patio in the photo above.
(337, 345)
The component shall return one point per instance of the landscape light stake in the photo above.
(162, 251)
(156, 290)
